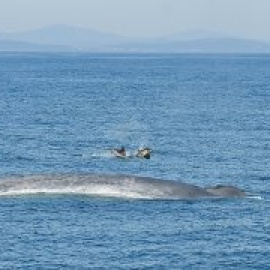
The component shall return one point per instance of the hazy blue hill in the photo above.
(203, 45)
(77, 37)
(14, 46)
(226, 45)
(63, 37)
(197, 34)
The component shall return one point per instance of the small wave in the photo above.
(103, 154)
(255, 197)
(264, 178)
(108, 154)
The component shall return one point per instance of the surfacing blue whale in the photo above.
(120, 186)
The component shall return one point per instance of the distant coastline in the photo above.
(63, 38)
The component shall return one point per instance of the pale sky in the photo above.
(141, 18)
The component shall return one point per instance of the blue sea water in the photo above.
(207, 119)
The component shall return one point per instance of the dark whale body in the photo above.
(121, 186)
(226, 191)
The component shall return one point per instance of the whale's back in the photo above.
(121, 186)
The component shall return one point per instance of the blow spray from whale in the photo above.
(119, 186)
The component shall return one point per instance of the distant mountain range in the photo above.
(21, 46)
(63, 38)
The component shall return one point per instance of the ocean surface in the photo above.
(207, 120)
